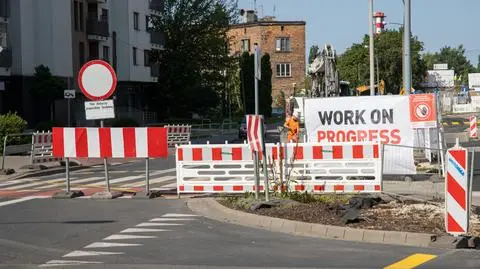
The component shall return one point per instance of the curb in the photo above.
(210, 208)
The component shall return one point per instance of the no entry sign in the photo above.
(97, 80)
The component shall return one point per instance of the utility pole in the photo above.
(407, 66)
(372, 59)
(256, 157)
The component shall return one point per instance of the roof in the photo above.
(267, 23)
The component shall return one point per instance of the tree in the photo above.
(195, 56)
(454, 57)
(313, 53)
(265, 87)
(353, 65)
(248, 84)
(46, 89)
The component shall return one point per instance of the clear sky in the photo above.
(437, 23)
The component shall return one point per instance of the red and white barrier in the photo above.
(110, 142)
(314, 167)
(456, 194)
(178, 134)
(473, 127)
(41, 151)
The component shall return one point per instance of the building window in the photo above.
(146, 57)
(104, 16)
(245, 45)
(135, 20)
(283, 44)
(75, 14)
(82, 19)
(284, 70)
(134, 56)
(106, 53)
(81, 53)
(147, 23)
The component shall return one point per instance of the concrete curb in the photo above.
(210, 208)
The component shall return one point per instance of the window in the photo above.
(147, 23)
(104, 16)
(146, 57)
(284, 70)
(283, 44)
(82, 19)
(81, 53)
(245, 45)
(135, 20)
(75, 14)
(106, 53)
(134, 56)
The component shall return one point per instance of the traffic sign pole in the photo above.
(105, 164)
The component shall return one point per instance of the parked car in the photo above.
(242, 130)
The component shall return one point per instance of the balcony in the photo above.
(97, 30)
(97, 1)
(6, 58)
(157, 5)
(157, 39)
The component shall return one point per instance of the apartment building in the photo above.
(284, 41)
(65, 34)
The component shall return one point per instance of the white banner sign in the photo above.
(365, 118)
(99, 110)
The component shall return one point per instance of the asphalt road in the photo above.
(48, 233)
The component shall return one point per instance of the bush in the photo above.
(11, 123)
(124, 122)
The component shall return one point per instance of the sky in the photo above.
(341, 23)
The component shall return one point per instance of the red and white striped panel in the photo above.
(40, 139)
(217, 188)
(332, 152)
(218, 153)
(456, 196)
(365, 187)
(473, 127)
(178, 129)
(110, 142)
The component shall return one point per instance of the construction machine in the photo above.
(365, 89)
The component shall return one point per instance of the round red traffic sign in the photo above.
(97, 80)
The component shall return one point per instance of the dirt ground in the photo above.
(405, 216)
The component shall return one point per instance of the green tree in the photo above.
(11, 123)
(353, 65)
(265, 87)
(454, 57)
(195, 56)
(46, 89)
(313, 53)
(247, 84)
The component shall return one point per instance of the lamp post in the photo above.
(372, 68)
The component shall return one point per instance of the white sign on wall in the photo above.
(363, 118)
(99, 110)
(474, 81)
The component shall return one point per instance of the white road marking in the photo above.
(71, 182)
(23, 199)
(143, 230)
(170, 219)
(127, 237)
(53, 263)
(169, 215)
(82, 253)
(110, 245)
(152, 181)
(147, 224)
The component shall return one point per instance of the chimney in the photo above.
(248, 16)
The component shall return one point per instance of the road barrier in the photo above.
(178, 134)
(42, 148)
(473, 127)
(313, 167)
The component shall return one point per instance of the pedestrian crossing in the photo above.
(121, 180)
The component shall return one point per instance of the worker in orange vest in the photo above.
(292, 126)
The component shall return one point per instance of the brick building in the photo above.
(284, 41)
